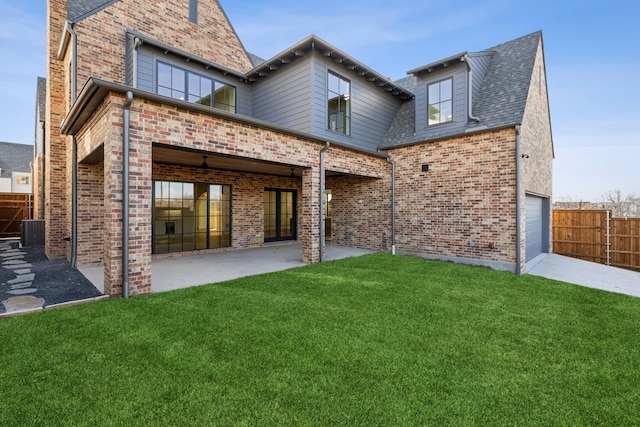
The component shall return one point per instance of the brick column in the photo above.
(140, 205)
(310, 218)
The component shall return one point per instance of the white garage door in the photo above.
(534, 226)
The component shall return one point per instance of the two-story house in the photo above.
(164, 137)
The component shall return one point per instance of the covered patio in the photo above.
(185, 271)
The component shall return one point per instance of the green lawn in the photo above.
(374, 340)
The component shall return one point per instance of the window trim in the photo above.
(172, 223)
(438, 82)
(348, 115)
(186, 90)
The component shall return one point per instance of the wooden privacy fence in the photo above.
(14, 207)
(593, 235)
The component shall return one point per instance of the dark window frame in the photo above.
(186, 91)
(440, 101)
(339, 98)
(170, 227)
(278, 216)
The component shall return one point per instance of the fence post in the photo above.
(608, 238)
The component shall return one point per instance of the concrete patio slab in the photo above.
(193, 270)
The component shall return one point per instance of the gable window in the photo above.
(193, 11)
(338, 104)
(440, 102)
(186, 85)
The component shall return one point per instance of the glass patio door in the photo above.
(279, 215)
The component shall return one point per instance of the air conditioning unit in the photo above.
(32, 233)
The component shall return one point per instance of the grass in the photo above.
(374, 340)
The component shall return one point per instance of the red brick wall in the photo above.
(153, 122)
(537, 144)
(56, 196)
(90, 213)
(464, 206)
(361, 210)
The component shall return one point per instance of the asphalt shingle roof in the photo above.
(15, 158)
(41, 97)
(500, 101)
(504, 90)
(78, 8)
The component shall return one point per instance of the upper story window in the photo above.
(193, 87)
(338, 104)
(440, 102)
(193, 11)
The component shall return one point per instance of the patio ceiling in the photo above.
(163, 155)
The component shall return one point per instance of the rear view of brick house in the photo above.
(158, 120)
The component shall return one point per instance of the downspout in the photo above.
(465, 58)
(125, 194)
(393, 205)
(74, 148)
(74, 202)
(322, 150)
(42, 172)
(518, 204)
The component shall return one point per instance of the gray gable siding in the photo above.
(284, 98)
(146, 70)
(459, 74)
(372, 109)
(479, 63)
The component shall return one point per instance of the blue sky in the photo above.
(591, 48)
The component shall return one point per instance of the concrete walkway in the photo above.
(585, 273)
(192, 270)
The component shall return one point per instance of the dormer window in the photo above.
(440, 102)
(338, 104)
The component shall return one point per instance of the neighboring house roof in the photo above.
(15, 158)
(500, 101)
(78, 9)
